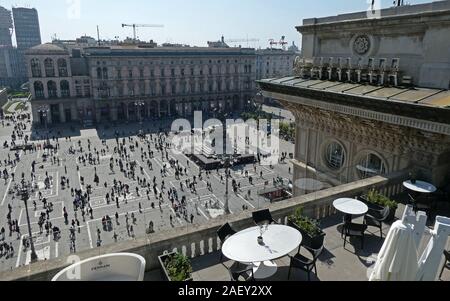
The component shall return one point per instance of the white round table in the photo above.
(350, 206)
(279, 241)
(420, 186)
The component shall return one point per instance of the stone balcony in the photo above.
(200, 242)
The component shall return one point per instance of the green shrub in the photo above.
(178, 267)
(377, 198)
(308, 225)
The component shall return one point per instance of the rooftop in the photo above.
(164, 51)
(422, 96)
(46, 49)
(417, 103)
(405, 10)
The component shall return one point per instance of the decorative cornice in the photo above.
(433, 120)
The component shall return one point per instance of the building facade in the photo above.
(3, 97)
(8, 54)
(355, 120)
(6, 26)
(28, 34)
(117, 83)
(272, 63)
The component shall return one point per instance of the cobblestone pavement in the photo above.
(204, 204)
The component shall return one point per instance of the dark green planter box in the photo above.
(164, 273)
(392, 212)
(308, 241)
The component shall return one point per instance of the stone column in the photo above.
(45, 89)
(49, 116)
(58, 88)
(62, 113)
(98, 114)
(36, 116)
(113, 112)
(74, 112)
(159, 108)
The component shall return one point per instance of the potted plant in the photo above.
(175, 267)
(379, 199)
(313, 236)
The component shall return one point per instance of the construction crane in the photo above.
(242, 41)
(140, 25)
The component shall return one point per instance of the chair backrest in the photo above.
(385, 213)
(395, 65)
(225, 231)
(371, 63)
(382, 64)
(447, 255)
(262, 216)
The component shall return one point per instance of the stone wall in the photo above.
(418, 35)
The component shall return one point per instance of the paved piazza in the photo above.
(204, 203)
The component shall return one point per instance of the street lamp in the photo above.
(227, 161)
(25, 196)
(139, 104)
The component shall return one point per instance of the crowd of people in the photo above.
(131, 183)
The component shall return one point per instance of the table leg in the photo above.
(264, 270)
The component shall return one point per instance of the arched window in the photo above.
(36, 68)
(39, 89)
(99, 72)
(62, 68)
(105, 73)
(370, 165)
(65, 89)
(51, 86)
(49, 68)
(334, 156)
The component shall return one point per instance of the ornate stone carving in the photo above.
(361, 45)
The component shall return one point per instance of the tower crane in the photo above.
(140, 25)
(242, 41)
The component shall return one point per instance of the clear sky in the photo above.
(191, 22)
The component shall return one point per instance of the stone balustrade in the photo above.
(197, 240)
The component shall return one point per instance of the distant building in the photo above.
(293, 48)
(6, 26)
(9, 64)
(28, 34)
(106, 83)
(3, 98)
(8, 54)
(274, 63)
(218, 44)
